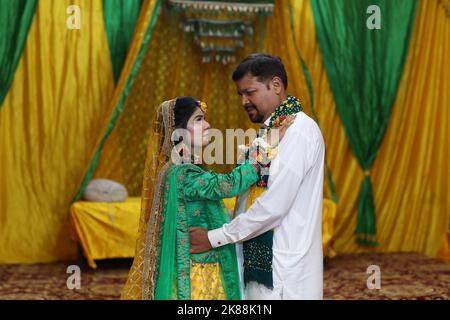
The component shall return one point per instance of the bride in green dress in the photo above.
(177, 195)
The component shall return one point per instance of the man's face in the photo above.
(258, 99)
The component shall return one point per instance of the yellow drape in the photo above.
(55, 106)
(62, 98)
(171, 67)
(410, 175)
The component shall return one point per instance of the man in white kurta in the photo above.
(292, 203)
(292, 207)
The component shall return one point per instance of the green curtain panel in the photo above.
(15, 21)
(308, 80)
(364, 67)
(120, 21)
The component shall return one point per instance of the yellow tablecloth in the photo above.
(444, 250)
(106, 230)
(109, 230)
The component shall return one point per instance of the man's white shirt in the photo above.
(292, 207)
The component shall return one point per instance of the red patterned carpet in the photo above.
(403, 276)
(409, 276)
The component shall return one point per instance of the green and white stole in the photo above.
(258, 252)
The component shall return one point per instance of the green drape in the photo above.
(309, 85)
(364, 68)
(15, 21)
(120, 21)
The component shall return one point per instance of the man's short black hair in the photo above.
(262, 66)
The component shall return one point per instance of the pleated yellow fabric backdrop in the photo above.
(53, 110)
(171, 67)
(411, 173)
(71, 87)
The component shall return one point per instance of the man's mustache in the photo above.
(249, 106)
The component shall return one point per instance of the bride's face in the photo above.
(198, 129)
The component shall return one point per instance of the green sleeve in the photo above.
(201, 184)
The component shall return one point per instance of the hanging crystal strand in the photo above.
(208, 19)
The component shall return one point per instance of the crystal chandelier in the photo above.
(219, 27)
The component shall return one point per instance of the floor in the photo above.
(402, 276)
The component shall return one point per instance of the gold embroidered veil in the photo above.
(141, 282)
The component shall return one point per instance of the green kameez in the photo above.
(193, 198)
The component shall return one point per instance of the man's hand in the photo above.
(199, 240)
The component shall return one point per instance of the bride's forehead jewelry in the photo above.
(203, 106)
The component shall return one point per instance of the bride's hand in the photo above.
(281, 131)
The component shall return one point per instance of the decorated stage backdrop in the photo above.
(76, 103)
